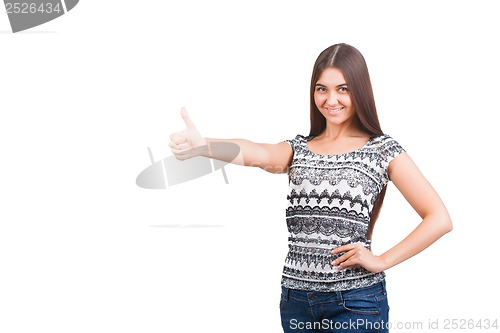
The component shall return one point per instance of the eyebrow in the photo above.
(338, 86)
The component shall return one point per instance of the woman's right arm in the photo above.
(188, 143)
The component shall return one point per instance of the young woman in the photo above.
(338, 174)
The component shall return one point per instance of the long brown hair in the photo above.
(352, 64)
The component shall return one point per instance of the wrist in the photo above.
(384, 262)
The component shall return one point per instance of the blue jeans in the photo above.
(357, 310)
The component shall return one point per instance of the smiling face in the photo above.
(332, 98)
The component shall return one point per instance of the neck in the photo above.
(334, 132)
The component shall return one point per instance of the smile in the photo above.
(335, 111)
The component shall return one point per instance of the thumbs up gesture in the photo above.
(187, 143)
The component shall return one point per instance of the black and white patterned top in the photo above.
(330, 201)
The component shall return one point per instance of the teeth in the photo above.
(335, 110)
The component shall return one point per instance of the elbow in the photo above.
(450, 225)
(440, 222)
(446, 224)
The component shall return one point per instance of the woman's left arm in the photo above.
(424, 199)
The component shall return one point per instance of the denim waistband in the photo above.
(318, 297)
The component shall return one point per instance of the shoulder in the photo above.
(383, 139)
(389, 147)
(298, 140)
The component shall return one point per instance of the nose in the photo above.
(332, 98)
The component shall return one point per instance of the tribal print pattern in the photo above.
(330, 201)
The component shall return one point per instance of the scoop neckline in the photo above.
(309, 138)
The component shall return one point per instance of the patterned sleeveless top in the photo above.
(330, 201)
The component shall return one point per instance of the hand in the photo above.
(183, 143)
(357, 254)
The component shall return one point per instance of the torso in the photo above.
(330, 199)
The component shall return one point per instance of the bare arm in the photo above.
(274, 158)
(188, 143)
(424, 199)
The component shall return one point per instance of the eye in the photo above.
(320, 89)
(343, 89)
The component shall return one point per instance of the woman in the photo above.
(338, 176)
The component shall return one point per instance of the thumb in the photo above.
(187, 120)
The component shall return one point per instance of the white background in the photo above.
(83, 249)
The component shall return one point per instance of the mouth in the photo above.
(334, 111)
